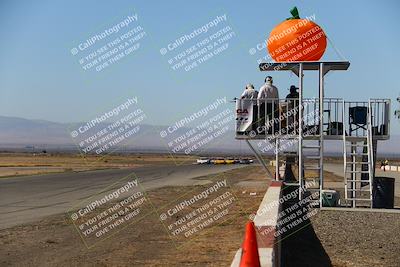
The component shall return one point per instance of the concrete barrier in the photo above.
(266, 223)
(390, 168)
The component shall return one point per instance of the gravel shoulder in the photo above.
(345, 238)
(359, 238)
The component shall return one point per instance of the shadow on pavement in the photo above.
(303, 248)
(300, 245)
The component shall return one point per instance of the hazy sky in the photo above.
(41, 79)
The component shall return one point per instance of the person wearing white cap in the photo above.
(268, 100)
(251, 94)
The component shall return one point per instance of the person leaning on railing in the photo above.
(251, 94)
(268, 100)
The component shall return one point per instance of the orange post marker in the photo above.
(250, 257)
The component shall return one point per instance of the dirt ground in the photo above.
(54, 241)
(329, 239)
(18, 164)
(344, 239)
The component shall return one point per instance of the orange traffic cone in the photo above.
(250, 256)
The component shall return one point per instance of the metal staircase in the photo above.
(311, 158)
(358, 165)
(372, 124)
(312, 170)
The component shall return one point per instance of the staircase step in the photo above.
(354, 181)
(292, 183)
(312, 157)
(312, 168)
(357, 171)
(357, 162)
(312, 180)
(356, 145)
(311, 146)
(359, 199)
(359, 154)
(358, 190)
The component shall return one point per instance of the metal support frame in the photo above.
(344, 150)
(323, 68)
(374, 150)
(277, 143)
(371, 158)
(300, 143)
(260, 159)
(353, 185)
(321, 124)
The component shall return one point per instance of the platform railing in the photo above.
(262, 117)
(357, 122)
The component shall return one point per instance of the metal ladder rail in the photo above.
(349, 181)
(321, 134)
(350, 194)
(321, 141)
(277, 148)
(316, 159)
(344, 150)
(370, 151)
(368, 140)
(353, 181)
(300, 137)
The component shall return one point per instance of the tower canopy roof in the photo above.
(307, 65)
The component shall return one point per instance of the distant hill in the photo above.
(32, 132)
(24, 133)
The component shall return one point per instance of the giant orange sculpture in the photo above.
(296, 39)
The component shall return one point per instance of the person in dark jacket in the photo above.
(292, 100)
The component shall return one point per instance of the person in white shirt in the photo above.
(251, 93)
(268, 90)
(268, 101)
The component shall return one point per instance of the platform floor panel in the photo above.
(310, 137)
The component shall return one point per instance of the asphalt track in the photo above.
(30, 198)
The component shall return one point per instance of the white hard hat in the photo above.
(249, 86)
